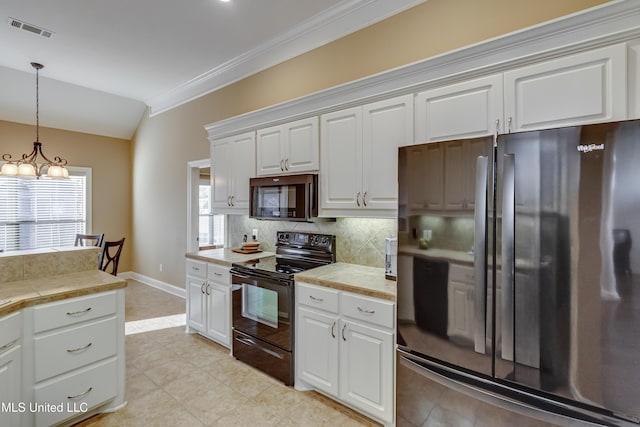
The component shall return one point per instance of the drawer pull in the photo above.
(361, 310)
(343, 328)
(75, 313)
(333, 330)
(195, 268)
(217, 274)
(74, 350)
(316, 298)
(8, 346)
(81, 394)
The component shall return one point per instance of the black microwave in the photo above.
(284, 198)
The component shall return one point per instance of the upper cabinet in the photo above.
(288, 148)
(577, 89)
(633, 55)
(583, 88)
(461, 110)
(359, 157)
(233, 163)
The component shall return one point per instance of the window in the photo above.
(43, 213)
(211, 227)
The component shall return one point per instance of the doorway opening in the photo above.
(205, 230)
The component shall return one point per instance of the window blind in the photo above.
(41, 213)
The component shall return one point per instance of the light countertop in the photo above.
(355, 278)
(225, 256)
(24, 293)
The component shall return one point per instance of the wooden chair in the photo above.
(110, 256)
(89, 239)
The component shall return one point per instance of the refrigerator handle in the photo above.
(508, 255)
(480, 258)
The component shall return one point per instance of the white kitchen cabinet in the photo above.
(288, 148)
(462, 110)
(633, 75)
(209, 301)
(11, 368)
(359, 157)
(78, 359)
(587, 87)
(345, 347)
(232, 163)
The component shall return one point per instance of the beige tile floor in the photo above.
(179, 379)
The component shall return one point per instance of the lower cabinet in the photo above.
(10, 369)
(209, 301)
(344, 348)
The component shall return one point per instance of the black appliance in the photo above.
(284, 198)
(548, 312)
(263, 301)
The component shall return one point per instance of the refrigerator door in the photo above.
(442, 300)
(567, 213)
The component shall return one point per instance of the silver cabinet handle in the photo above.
(207, 289)
(217, 274)
(343, 328)
(228, 200)
(361, 310)
(286, 164)
(233, 203)
(333, 330)
(195, 268)
(81, 394)
(316, 298)
(358, 199)
(8, 345)
(84, 347)
(75, 313)
(202, 288)
(282, 165)
(364, 199)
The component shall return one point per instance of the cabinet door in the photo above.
(243, 167)
(220, 172)
(462, 110)
(585, 88)
(302, 143)
(633, 56)
(196, 303)
(270, 151)
(218, 326)
(11, 388)
(387, 125)
(341, 165)
(317, 350)
(366, 369)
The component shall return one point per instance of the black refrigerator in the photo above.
(517, 269)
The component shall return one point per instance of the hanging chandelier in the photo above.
(28, 166)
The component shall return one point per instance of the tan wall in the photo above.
(110, 161)
(165, 143)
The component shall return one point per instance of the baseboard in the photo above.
(154, 283)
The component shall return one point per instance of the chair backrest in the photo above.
(89, 239)
(110, 256)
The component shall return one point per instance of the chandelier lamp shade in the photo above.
(29, 165)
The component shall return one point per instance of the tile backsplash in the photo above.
(358, 240)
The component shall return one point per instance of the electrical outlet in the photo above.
(160, 268)
(254, 234)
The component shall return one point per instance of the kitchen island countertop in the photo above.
(225, 256)
(355, 278)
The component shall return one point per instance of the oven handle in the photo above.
(251, 343)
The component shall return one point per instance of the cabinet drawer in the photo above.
(218, 273)
(196, 268)
(81, 390)
(318, 297)
(461, 273)
(368, 309)
(74, 347)
(67, 312)
(10, 330)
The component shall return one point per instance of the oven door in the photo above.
(263, 308)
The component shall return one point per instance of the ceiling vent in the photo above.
(21, 25)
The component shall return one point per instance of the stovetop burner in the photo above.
(295, 252)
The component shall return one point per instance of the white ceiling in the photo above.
(108, 60)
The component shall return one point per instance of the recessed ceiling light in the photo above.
(225, 1)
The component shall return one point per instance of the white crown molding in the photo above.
(334, 23)
(613, 22)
